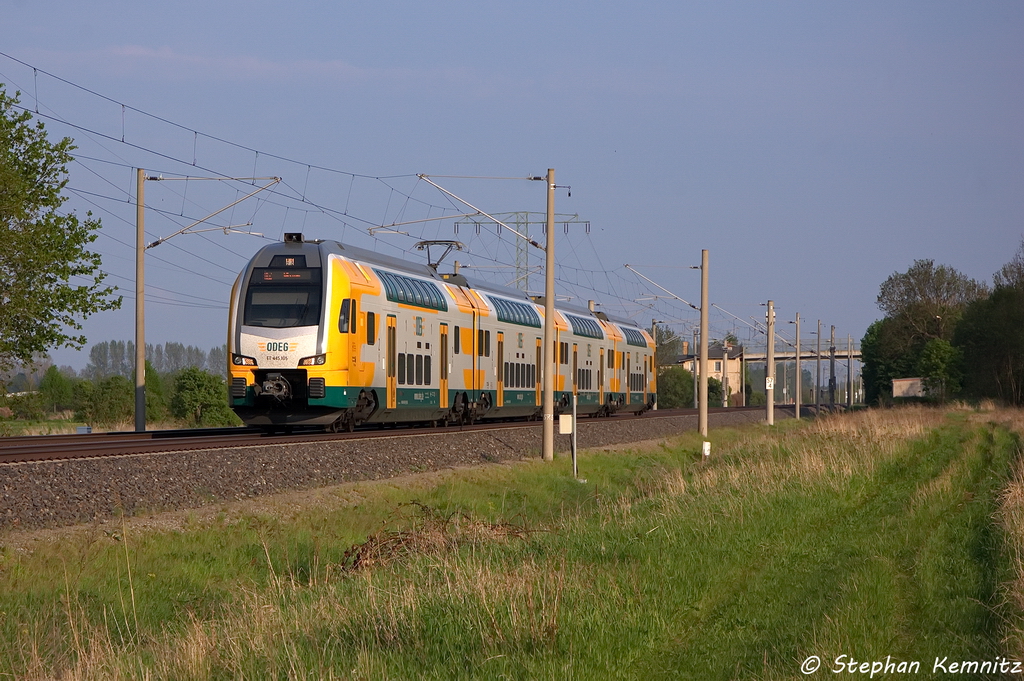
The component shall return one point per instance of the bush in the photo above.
(58, 390)
(201, 399)
(106, 402)
(675, 388)
(157, 402)
(715, 394)
(26, 406)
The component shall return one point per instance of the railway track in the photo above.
(54, 447)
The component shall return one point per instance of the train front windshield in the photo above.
(280, 298)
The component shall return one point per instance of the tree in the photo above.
(922, 304)
(715, 393)
(887, 354)
(938, 365)
(110, 401)
(1011, 275)
(217, 360)
(41, 249)
(201, 398)
(111, 358)
(929, 299)
(675, 388)
(668, 346)
(157, 402)
(58, 390)
(991, 337)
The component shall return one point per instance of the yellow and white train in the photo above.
(325, 334)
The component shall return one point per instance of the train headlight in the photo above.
(242, 360)
(315, 360)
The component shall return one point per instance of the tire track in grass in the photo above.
(898, 564)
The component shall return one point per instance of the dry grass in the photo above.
(826, 452)
(354, 600)
(503, 606)
(1012, 518)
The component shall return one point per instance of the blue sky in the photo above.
(813, 148)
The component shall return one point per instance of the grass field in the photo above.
(893, 533)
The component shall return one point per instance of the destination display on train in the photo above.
(279, 275)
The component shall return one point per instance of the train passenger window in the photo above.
(507, 375)
(455, 342)
(401, 368)
(419, 369)
(346, 308)
(532, 375)
(426, 370)
(371, 328)
(483, 343)
(353, 317)
(611, 359)
(410, 367)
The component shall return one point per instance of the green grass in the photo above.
(868, 535)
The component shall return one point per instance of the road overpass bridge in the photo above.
(783, 356)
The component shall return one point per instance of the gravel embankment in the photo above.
(57, 493)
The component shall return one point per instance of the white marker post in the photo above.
(567, 426)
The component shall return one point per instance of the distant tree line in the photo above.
(117, 358)
(187, 385)
(962, 337)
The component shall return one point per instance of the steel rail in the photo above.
(37, 448)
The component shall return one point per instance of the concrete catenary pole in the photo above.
(769, 367)
(725, 375)
(694, 353)
(817, 375)
(702, 414)
(140, 303)
(832, 370)
(657, 361)
(549, 325)
(743, 376)
(849, 371)
(799, 368)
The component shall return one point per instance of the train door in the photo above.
(629, 378)
(539, 373)
(500, 364)
(392, 362)
(478, 349)
(648, 366)
(623, 387)
(444, 367)
(575, 369)
(600, 377)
